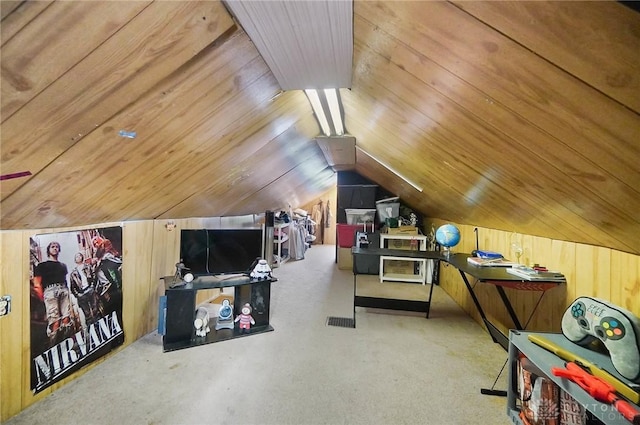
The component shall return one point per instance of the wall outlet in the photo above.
(5, 305)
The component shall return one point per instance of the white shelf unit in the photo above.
(420, 277)
(281, 243)
(387, 241)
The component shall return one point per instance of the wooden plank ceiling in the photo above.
(520, 116)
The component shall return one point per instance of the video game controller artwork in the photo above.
(619, 330)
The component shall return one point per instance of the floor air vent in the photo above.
(343, 322)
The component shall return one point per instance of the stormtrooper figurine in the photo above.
(261, 271)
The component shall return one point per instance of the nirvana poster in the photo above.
(76, 301)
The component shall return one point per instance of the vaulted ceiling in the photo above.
(521, 116)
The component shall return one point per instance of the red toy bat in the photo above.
(598, 389)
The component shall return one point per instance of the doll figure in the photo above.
(245, 318)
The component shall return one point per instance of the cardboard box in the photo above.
(403, 230)
(345, 259)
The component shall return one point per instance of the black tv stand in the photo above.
(181, 306)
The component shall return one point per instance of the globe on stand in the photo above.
(448, 236)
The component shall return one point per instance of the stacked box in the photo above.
(403, 230)
(345, 259)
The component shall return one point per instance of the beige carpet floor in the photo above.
(394, 368)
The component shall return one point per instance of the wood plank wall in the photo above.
(590, 271)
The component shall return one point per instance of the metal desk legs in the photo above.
(495, 333)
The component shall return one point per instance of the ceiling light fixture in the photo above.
(414, 185)
(319, 111)
(326, 107)
(334, 108)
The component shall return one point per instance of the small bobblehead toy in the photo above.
(245, 318)
(225, 316)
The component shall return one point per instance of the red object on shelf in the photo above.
(524, 286)
(347, 234)
(599, 389)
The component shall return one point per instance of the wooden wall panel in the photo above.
(560, 31)
(165, 253)
(42, 42)
(138, 293)
(14, 328)
(625, 280)
(590, 271)
(22, 13)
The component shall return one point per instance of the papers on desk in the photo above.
(528, 273)
(490, 262)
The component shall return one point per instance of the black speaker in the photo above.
(180, 315)
(269, 226)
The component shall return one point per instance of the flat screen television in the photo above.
(215, 251)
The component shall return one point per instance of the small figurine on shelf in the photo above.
(180, 268)
(413, 219)
(201, 322)
(245, 318)
(225, 316)
(261, 271)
